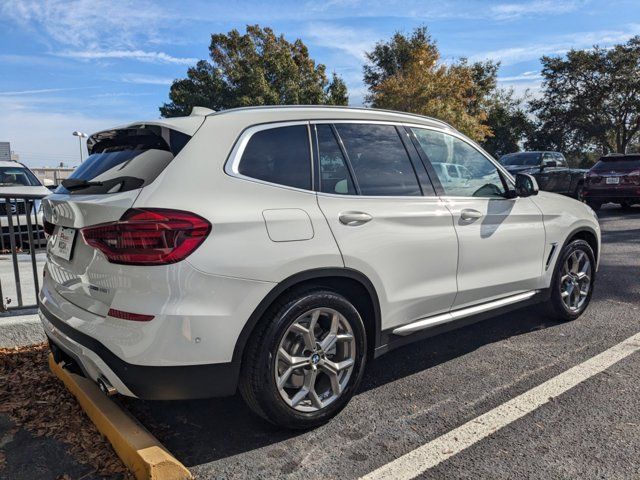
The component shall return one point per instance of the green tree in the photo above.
(591, 100)
(509, 122)
(254, 68)
(406, 74)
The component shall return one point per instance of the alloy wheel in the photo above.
(315, 359)
(575, 280)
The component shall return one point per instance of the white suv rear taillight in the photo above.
(148, 236)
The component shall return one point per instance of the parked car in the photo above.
(452, 173)
(550, 169)
(275, 250)
(614, 178)
(20, 190)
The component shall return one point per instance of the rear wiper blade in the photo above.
(76, 184)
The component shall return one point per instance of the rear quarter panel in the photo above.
(239, 244)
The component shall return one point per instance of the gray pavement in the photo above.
(424, 390)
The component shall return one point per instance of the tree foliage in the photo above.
(591, 98)
(254, 68)
(509, 122)
(406, 74)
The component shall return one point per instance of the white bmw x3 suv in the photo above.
(275, 249)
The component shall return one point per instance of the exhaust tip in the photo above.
(106, 387)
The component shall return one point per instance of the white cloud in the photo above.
(353, 42)
(97, 29)
(35, 92)
(153, 57)
(508, 11)
(44, 138)
(87, 22)
(146, 79)
(559, 45)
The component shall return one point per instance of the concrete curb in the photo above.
(20, 331)
(140, 451)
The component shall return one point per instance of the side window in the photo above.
(452, 170)
(379, 160)
(279, 155)
(560, 159)
(481, 177)
(334, 174)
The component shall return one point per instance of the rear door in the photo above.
(100, 190)
(501, 240)
(388, 225)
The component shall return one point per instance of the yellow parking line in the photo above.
(140, 451)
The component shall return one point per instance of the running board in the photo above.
(465, 312)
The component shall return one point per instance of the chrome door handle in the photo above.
(353, 219)
(470, 214)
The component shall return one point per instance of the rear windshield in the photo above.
(525, 158)
(124, 159)
(16, 176)
(617, 164)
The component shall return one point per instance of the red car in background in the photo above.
(614, 178)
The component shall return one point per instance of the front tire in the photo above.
(306, 359)
(572, 282)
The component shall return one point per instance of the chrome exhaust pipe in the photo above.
(105, 386)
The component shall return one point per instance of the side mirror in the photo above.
(526, 185)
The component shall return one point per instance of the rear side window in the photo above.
(124, 159)
(334, 173)
(279, 155)
(379, 160)
(617, 164)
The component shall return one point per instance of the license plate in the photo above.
(63, 243)
(612, 180)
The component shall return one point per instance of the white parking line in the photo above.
(440, 449)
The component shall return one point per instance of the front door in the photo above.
(387, 225)
(501, 240)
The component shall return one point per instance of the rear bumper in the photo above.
(611, 194)
(141, 381)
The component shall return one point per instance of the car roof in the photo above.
(277, 112)
(11, 163)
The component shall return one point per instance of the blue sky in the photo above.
(87, 65)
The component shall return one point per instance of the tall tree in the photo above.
(254, 68)
(405, 73)
(509, 122)
(591, 97)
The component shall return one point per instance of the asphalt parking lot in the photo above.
(413, 395)
(418, 393)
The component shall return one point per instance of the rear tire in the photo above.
(626, 205)
(594, 205)
(572, 282)
(305, 360)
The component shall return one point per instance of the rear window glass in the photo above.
(334, 172)
(617, 164)
(529, 158)
(124, 159)
(16, 176)
(279, 155)
(379, 160)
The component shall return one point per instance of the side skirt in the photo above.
(391, 340)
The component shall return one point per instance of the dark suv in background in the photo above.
(614, 178)
(550, 169)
